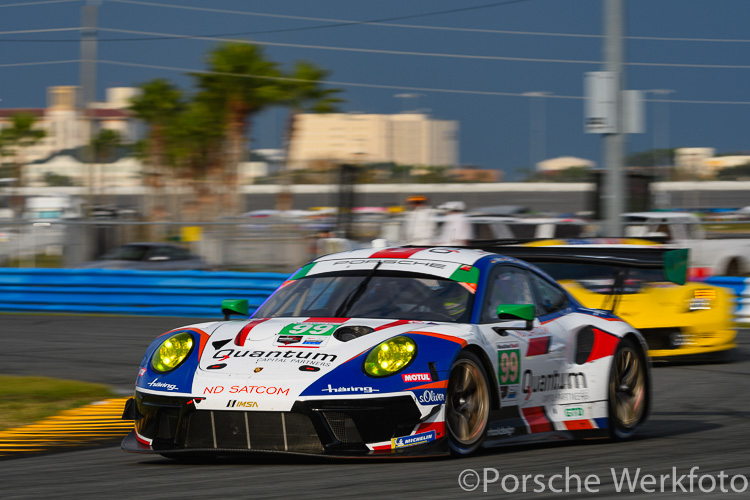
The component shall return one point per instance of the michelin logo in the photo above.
(416, 439)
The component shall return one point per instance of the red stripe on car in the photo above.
(395, 253)
(326, 320)
(538, 346)
(579, 425)
(536, 419)
(242, 335)
(604, 345)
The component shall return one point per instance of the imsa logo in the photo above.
(241, 404)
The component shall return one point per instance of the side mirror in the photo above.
(515, 312)
(234, 306)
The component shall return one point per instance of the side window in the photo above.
(551, 298)
(508, 285)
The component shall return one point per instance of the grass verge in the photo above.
(24, 400)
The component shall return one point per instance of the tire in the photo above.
(628, 390)
(467, 406)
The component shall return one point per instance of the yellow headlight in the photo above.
(390, 357)
(172, 352)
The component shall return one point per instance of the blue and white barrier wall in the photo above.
(145, 293)
(741, 289)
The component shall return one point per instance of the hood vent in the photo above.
(347, 333)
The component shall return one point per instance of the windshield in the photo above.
(384, 295)
(599, 278)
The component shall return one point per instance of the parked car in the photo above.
(150, 256)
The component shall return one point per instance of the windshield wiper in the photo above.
(354, 295)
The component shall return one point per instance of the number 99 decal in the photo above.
(308, 329)
(510, 366)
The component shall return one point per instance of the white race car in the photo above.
(397, 351)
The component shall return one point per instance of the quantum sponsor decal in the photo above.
(509, 366)
(162, 385)
(416, 377)
(303, 357)
(430, 396)
(241, 404)
(505, 431)
(247, 389)
(567, 397)
(361, 390)
(403, 442)
(554, 381)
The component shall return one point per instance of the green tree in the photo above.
(302, 93)
(21, 134)
(105, 145)
(158, 104)
(241, 82)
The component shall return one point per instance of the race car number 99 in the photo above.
(308, 329)
(509, 366)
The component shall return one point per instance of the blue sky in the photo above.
(456, 61)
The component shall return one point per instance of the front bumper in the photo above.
(336, 427)
(684, 341)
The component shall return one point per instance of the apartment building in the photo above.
(405, 139)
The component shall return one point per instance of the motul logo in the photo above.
(417, 377)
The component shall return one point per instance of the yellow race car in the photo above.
(676, 320)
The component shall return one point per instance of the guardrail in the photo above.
(741, 289)
(143, 293)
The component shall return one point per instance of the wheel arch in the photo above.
(489, 370)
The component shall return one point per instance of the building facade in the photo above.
(404, 139)
(66, 125)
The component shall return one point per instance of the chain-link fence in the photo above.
(243, 245)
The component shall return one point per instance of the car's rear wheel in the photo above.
(628, 390)
(467, 404)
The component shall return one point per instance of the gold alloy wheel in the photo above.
(627, 389)
(468, 402)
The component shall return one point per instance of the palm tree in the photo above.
(195, 140)
(241, 82)
(20, 135)
(158, 105)
(104, 146)
(303, 93)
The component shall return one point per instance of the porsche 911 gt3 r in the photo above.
(399, 351)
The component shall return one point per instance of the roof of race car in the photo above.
(453, 263)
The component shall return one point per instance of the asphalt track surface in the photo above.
(701, 418)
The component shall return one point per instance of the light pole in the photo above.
(537, 126)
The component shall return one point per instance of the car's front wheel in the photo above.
(628, 390)
(467, 404)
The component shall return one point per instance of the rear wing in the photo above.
(672, 262)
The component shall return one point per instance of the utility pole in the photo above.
(614, 178)
(88, 86)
